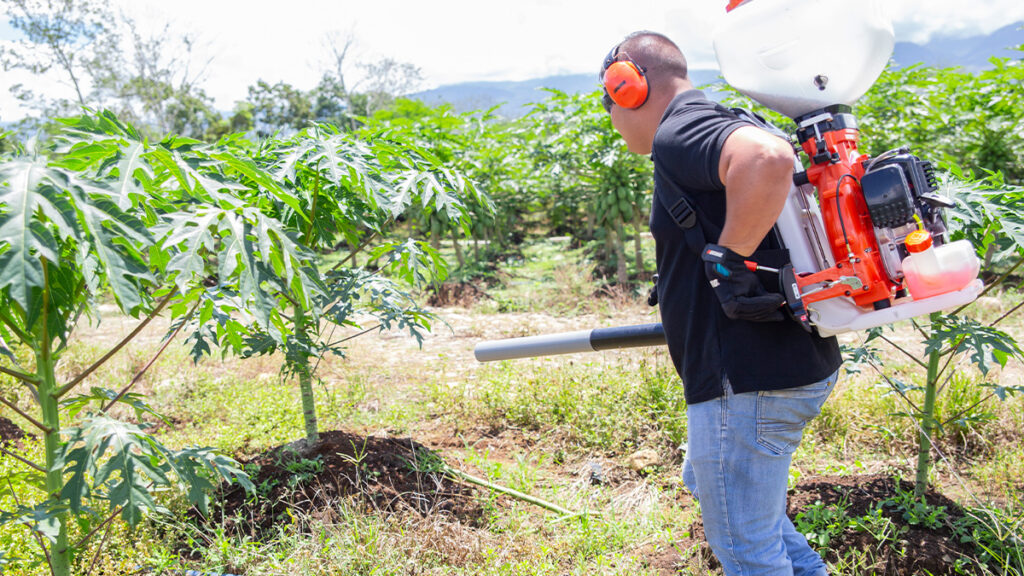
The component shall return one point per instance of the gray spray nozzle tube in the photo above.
(571, 342)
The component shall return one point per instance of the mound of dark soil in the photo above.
(388, 475)
(456, 294)
(10, 433)
(915, 550)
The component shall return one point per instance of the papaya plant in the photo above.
(496, 157)
(990, 214)
(107, 212)
(347, 189)
(455, 140)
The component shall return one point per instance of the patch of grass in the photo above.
(17, 486)
(997, 535)
(613, 407)
(352, 541)
(1002, 472)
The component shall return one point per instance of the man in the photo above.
(753, 377)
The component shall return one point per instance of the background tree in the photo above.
(279, 107)
(386, 80)
(153, 81)
(332, 101)
(62, 35)
(150, 80)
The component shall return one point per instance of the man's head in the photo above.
(640, 77)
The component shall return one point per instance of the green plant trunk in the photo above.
(621, 272)
(638, 245)
(924, 445)
(60, 554)
(458, 249)
(306, 382)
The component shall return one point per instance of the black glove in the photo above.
(738, 289)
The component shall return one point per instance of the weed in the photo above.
(996, 536)
(303, 470)
(821, 523)
(915, 510)
(878, 525)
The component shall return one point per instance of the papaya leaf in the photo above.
(1004, 392)
(25, 239)
(120, 463)
(413, 261)
(42, 518)
(985, 344)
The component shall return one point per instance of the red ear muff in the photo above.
(624, 82)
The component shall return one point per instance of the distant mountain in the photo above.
(515, 98)
(971, 53)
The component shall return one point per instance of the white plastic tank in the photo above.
(797, 56)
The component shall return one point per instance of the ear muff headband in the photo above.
(624, 81)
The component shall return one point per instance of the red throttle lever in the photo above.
(754, 267)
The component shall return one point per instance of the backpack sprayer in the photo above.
(867, 237)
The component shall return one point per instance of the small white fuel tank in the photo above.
(797, 56)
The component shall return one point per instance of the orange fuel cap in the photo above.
(918, 241)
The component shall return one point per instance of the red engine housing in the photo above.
(837, 167)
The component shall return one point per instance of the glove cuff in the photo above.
(717, 253)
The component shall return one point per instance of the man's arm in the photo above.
(757, 170)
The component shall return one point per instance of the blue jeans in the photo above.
(738, 453)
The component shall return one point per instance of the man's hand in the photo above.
(738, 289)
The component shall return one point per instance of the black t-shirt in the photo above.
(704, 344)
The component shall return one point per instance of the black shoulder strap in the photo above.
(682, 212)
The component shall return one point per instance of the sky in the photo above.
(451, 41)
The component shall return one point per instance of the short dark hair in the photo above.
(659, 56)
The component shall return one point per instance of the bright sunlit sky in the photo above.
(455, 41)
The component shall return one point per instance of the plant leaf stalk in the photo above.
(124, 341)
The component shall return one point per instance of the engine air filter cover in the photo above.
(888, 196)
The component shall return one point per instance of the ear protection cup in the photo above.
(626, 84)
(624, 81)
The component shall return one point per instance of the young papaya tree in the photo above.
(971, 128)
(348, 190)
(497, 158)
(990, 214)
(455, 140)
(106, 213)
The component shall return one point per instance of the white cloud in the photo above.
(466, 40)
